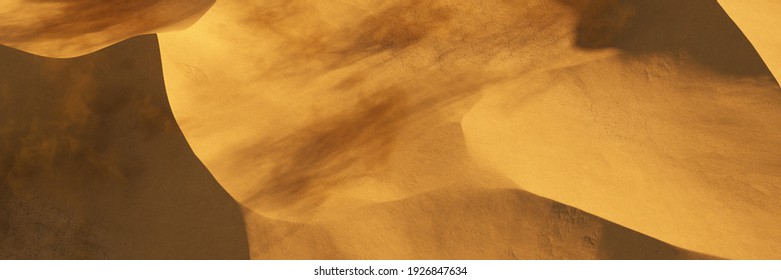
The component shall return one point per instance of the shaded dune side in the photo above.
(759, 20)
(76, 27)
(700, 29)
(470, 224)
(93, 165)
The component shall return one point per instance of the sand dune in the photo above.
(323, 100)
(676, 144)
(536, 129)
(693, 165)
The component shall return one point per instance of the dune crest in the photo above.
(499, 129)
(64, 29)
(672, 138)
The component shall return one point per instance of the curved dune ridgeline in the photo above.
(457, 223)
(93, 166)
(70, 28)
(759, 21)
(498, 129)
(673, 137)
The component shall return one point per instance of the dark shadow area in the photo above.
(700, 29)
(93, 165)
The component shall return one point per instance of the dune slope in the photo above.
(534, 129)
(470, 224)
(306, 111)
(675, 142)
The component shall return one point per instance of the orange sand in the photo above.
(551, 129)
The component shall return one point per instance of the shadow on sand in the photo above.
(93, 165)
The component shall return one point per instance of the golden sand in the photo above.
(539, 129)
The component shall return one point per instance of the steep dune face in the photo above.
(308, 102)
(93, 166)
(693, 165)
(676, 143)
(78, 27)
(760, 22)
(314, 102)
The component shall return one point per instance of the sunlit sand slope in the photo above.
(677, 142)
(457, 223)
(93, 166)
(76, 27)
(656, 115)
(395, 129)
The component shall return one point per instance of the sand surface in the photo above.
(71, 28)
(539, 129)
(760, 22)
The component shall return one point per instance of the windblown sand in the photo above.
(536, 129)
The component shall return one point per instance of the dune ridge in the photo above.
(542, 129)
(66, 29)
(758, 21)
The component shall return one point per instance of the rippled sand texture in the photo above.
(535, 129)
